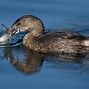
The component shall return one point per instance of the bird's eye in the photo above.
(18, 24)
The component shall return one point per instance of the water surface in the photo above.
(22, 69)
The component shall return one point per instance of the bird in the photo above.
(37, 39)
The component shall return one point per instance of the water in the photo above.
(22, 69)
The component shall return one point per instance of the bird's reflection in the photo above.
(29, 62)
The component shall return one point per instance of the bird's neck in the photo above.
(30, 39)
(35, 33)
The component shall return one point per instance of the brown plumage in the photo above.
(39, 40)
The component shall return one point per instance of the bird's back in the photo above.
(63, 41)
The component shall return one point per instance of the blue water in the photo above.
(46, 72)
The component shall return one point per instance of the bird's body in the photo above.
(39, 40)
(62, 41)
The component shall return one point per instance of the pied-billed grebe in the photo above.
(39, 40)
